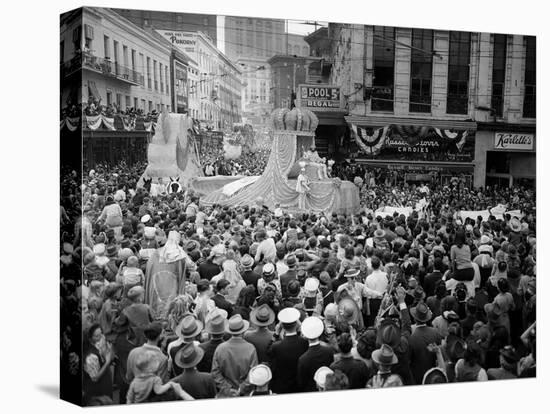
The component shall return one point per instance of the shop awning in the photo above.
(377, 121)
(332, 117)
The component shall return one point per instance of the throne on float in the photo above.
(294, 134)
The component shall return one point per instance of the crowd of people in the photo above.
(175, 300)
(251, 163)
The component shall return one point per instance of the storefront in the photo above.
(326, 102)
(415, 150)
(506, 155)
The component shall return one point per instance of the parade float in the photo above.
(293, 138)
(172, 154)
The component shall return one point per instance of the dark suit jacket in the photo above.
(315, 357)
(285, 280)
(283, 356)
(207, 270)
(250, 277)
(198, 384)
(430, 281)
(208, 347)
(223, 303)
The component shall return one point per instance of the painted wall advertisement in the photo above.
(180, 87)
(185, 41)
(319, 97)
(507, 141)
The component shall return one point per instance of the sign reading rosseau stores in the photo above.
(319, 97)
(506, 141)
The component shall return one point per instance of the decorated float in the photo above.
(292, 148)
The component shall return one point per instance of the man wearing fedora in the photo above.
(249, 276)
(216, 325)
(384, 358)
(284, 353)
(233, 359)
(290, 274)
(187, 332)
(356, 370)
(317, 355)
(261, 317)
(197, 384)
(423, 335)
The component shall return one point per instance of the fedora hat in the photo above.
(189, 327)
(379, 233)
(112, 250)
(421, 313)
(389, 333)
(262, 315)
(291, 261)
(384, 355)
(237, 325)
(348, 310)
(312, 327)
(189, 356)
(247, 261)
(288, 315)
(216, 321)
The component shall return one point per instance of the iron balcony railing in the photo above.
(87, 60)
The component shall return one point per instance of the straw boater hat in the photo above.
(189, 356)
(311, 285)
(288, 315)
(312, 327)
(348, 310)
(259, 375)
(247, 261)
(320, 376)
(262, 315)
(351, 273)
(515, 225)
(379, 234)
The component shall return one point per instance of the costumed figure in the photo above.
(302, 186)
(313, 158)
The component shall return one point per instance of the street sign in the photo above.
(320, 98)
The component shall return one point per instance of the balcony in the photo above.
(104, 66)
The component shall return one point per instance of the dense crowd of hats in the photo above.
(177, 301)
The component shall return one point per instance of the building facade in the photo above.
(190, 22)
(444, 101)
(121, 64)
(248, 37)
(256, 101)
(215, 90)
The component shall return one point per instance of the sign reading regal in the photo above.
(505, 141)
(319, 97)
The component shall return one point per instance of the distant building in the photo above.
(423, 83)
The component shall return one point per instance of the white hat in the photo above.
(145, 218)
(321, 376)
(331, 310)
(311, 284)
(268, 268)
(247, 223)
(288, 315)
(312, 327)
(99, 249)
(149, 232)
(259, 375)
(485, 239)
(218, 250)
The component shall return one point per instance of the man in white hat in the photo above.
(320, 377)
(317, 356)
(284, 354)
(259, 376)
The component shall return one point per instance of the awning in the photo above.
(331, 118)
(377, 121)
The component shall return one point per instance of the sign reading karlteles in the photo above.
(507, 141)
(319, 97)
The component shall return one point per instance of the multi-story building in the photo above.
(121, 64)
(248, 37)
(256, 102)
(217, 91)
(445, 101)
(189, 22)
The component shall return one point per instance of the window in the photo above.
(384, 57)
(118, 100)
(279, 45)
(158, 108)
(161, 107)
(125, 55)
(305, 50)
(107, 47)
(155, 75)
(109, 97)
(88, 36)
(499, 70)
(143, 104)
(148, 72)
(420, 96)
(135, 103)
(150, 106)
(166, 79)
(179, 18)
(77, 36)
(128, 102)
(530, 98)
(160, 78)
(133, 60)
(459, 72)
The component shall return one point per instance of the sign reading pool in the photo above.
(319, 97)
